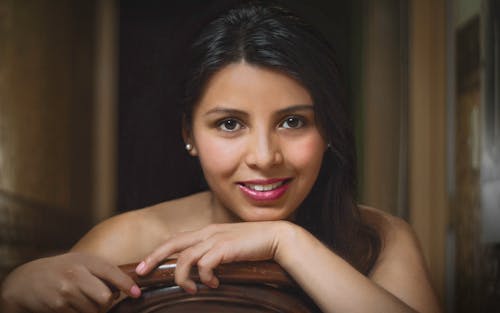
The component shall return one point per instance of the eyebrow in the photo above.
(290, 109)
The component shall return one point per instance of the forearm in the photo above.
(330, 281)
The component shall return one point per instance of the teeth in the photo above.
(265, 187)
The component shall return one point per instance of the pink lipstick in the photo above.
(264, 189)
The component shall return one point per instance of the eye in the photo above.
(292, 122)
(229, 125)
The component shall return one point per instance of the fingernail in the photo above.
(213, 283)
(140, 268)
(135, 291)
(191, 288)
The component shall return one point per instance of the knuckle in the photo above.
(59, 304)
(203, 265)
(69, 273)
(151, 259)
(72, 272)
(104, 297)
(185, 257)
(78, 270)
(65, 289)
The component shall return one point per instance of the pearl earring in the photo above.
(189, 147)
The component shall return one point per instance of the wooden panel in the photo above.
(29, 230)
(46, 94)
(427, 133)
(384, 180)
(35, 90)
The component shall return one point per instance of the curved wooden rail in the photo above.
(257, 272)
(246, 287)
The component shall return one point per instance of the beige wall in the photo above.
(428, 202)
(404, 138)
(384, 136)
(34, 96)
(46, 94)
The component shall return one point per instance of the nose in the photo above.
(264, 150)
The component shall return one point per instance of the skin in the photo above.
(251, 123)
(273, 135)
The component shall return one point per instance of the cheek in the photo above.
(217, 157)
(306, 153)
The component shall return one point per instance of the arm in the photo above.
(398, 282)
(330, 281)
(78, 281)
(71, 282)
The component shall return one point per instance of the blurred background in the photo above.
(90, 121)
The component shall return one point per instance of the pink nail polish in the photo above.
(214, 283)
(140, 267)
(135, 291)
(191, 289)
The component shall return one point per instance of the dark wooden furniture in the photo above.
(244, 287)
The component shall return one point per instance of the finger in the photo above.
(38, 300)
(206, 265)
(72, 310)
(207, 276)
(67, 294)
(173, 245)
(44, 302)
(185, 262)
(116, 277)
(96, 291)
(57, 303)
(83, 304)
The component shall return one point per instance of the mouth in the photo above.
(265, 190)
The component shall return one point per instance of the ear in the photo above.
(188, 138)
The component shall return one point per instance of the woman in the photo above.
(266, 117)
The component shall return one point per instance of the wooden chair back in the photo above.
(244, 287)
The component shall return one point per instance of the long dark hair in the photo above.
(269, 36)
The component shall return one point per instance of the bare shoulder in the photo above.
(117, 239)
(398, 238)
(401, 267)
(128, 237)
(395, 232)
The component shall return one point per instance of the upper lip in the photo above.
(264, 181)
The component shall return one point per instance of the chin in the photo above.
(262, 214)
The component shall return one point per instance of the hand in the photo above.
(216, 244)
(72, 282)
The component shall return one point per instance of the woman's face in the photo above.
(255, 134)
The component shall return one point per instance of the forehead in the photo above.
(241, 84)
